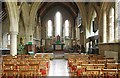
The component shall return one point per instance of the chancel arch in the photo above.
(63, 15)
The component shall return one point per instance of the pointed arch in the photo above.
(13, 15)
(92, 28)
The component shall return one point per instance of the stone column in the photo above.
(74, 30)
(0, 28)
(0, 40)
(13, 43)
(118, 24)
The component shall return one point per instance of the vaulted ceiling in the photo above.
(71, 7)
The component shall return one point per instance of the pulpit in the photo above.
(31, 48)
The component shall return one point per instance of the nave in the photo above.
(72, 65)
(58, 67)
(29, 30)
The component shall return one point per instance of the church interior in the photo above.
(72, 39)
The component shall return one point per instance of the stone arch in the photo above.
(35, 7)
(109, 8)
(104, 7)
(33, 12)
(82, 10)
(91, 11)
(13, 15)
(25, 14)
(21, 24)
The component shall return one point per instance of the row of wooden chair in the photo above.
(25, 66)
(92, 65)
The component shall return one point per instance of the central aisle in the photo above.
(58, 67)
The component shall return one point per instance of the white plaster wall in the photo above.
(5, 32)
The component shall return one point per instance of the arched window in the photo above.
(104, 27)
(111, 25)
(67, 26)
(58, 23)
(8, 38)
(49, 28)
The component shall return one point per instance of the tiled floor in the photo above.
(58, 67)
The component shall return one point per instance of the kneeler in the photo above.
(79, 71)
(43, 71)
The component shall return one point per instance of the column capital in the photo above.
(14, 32)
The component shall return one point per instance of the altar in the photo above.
(58, 47)
(58, 43)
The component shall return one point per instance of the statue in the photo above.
(58, 38)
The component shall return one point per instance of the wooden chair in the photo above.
(112, 65)
(110, 73)
(10, 73)
(111, 61)
(35, 69)
(101, 61)
(43, 68)
(38, 56)
(92, 61)
(9, 70)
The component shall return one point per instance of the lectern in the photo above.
(31, 48)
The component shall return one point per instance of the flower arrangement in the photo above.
(21, 47)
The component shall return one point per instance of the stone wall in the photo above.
(110, 48)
